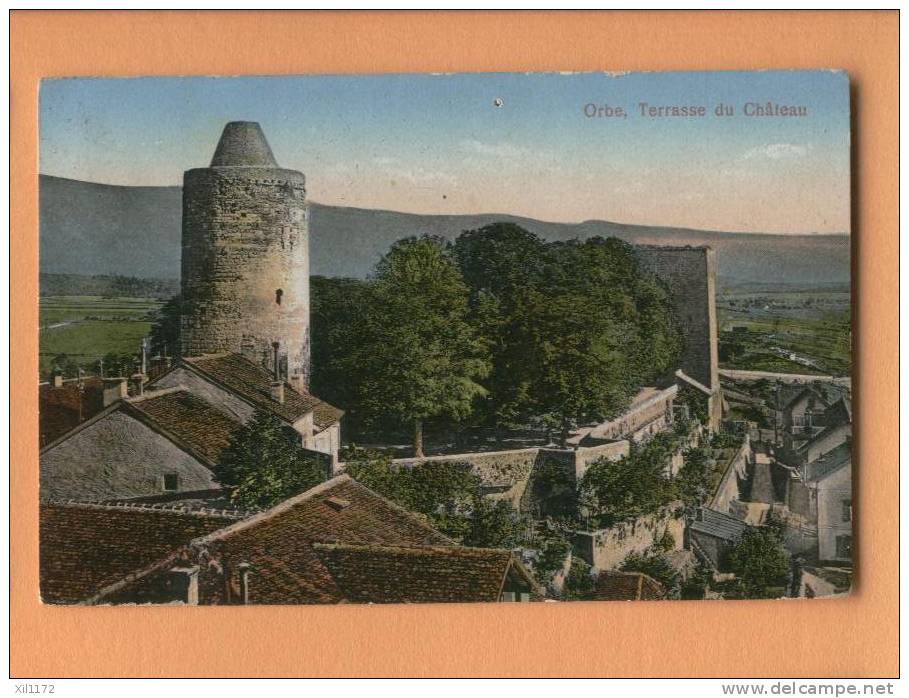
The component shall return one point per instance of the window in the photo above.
(508, 596)
(847, 510)
(171, 482)
(844, 547)
(279, 293)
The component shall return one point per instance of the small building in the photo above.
(612, 585)
(806, 412)
(160, 442)
(829, 483)
(338, 542)
(238, 387)
(713, 534)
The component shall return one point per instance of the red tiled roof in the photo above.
(198, 424)
(612, 585)
(278, 543)
(253, 383)
(84, 548)
(380, 574)
(58, 408)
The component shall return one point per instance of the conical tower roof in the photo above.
(243, 144)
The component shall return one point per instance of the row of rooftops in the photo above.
(337, 542)
(197, 425)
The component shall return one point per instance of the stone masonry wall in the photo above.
(606, 548)
(690, 273)
(117, 457)
(245, 265)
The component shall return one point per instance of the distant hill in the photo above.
(93, 229)
(105, 285)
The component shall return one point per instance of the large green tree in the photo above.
(504, 267)
(574, 327)
(264, 463)
(420, 357)
(339, 318)
(165, 330)
(761, 563)
(612, 491)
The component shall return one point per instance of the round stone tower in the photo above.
(245, 264)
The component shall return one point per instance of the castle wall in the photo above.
(245, 265)
(690, 274)
(607, 548)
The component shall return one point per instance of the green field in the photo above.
(86, 328)
(788, 332)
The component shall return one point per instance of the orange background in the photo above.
(856, 636)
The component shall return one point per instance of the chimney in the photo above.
(245, 569)
(297, 382)
(144, 353)
(183, 582)
(114, 389)
(277, 385)
(277, 391)
(139, 383)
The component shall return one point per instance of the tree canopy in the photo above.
(612, 491)
(500, 329)
(264, 464)
(448, 494)
(760, 563)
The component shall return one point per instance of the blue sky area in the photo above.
(439, 143)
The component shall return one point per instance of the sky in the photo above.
(522, 144)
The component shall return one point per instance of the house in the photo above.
(239, 387)
(713, 534)
(159, 442)
(829, 483)
(805, 412)
(338, 542)
(612, 585)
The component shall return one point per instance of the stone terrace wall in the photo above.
(606, 548)
(728, 489)
(509, 475)
(504, 474)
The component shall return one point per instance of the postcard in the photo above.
(445, 338)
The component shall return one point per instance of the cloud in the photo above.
(494, 150)
(777, 151)
(419, 176)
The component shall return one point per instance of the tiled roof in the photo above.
(840, 412)
(253, 383)
(85, 548)
(197, 423)
(830, 462)
(381, 574)
(58, 408)
(278, 543)
(612, 585)
(719, 525)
